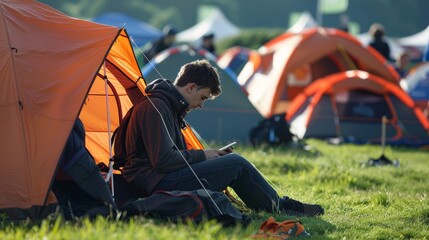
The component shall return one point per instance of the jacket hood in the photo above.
(165, 89)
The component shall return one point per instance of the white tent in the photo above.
(215, 23)
(304, 21)
(418, 40)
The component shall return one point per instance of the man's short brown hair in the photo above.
(202, 73)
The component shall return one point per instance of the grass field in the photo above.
(385, 202)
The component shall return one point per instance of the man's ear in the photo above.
(191, 86)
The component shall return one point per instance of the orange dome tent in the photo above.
(55, 68)
(290, 62)
(351, 105)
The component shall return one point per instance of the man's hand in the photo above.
(215, 153)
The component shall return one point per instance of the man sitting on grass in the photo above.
(157, 157)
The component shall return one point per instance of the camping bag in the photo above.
(273, 131)
(193, 205)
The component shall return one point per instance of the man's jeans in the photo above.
(230, 170)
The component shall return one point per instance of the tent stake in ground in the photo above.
(382, 160)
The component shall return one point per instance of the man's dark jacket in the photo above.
(154, 141)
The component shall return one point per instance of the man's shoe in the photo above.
(294, 207)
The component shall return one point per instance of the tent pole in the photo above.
(336, 117)
(319, 13)
(109, 177)
(383, 134)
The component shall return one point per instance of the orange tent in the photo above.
(290, 62)
(55, 68)
(351, 105)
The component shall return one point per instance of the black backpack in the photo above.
(118, 141)
(196, 205)
(273, 131)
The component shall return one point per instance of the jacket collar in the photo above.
(166, 90)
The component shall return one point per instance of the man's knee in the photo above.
(239, 160)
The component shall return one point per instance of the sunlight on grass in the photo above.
(360, 202)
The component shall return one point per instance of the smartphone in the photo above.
(227, 146)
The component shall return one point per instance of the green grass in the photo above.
(360, 202)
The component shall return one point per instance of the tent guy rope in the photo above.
(109, 177)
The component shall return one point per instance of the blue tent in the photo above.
(139, 31)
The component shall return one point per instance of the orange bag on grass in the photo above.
(271, 229)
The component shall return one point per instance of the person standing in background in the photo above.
(378, 42)
(401, 64)
(207, 42)
(166, 41)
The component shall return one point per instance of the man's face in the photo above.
(196, 96)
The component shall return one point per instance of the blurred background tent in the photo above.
(351, 104)
(229, 117)
(290, 62)
(215, 23)
(139, 31)
(416, 84)
(416, 42)
(235, 58)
